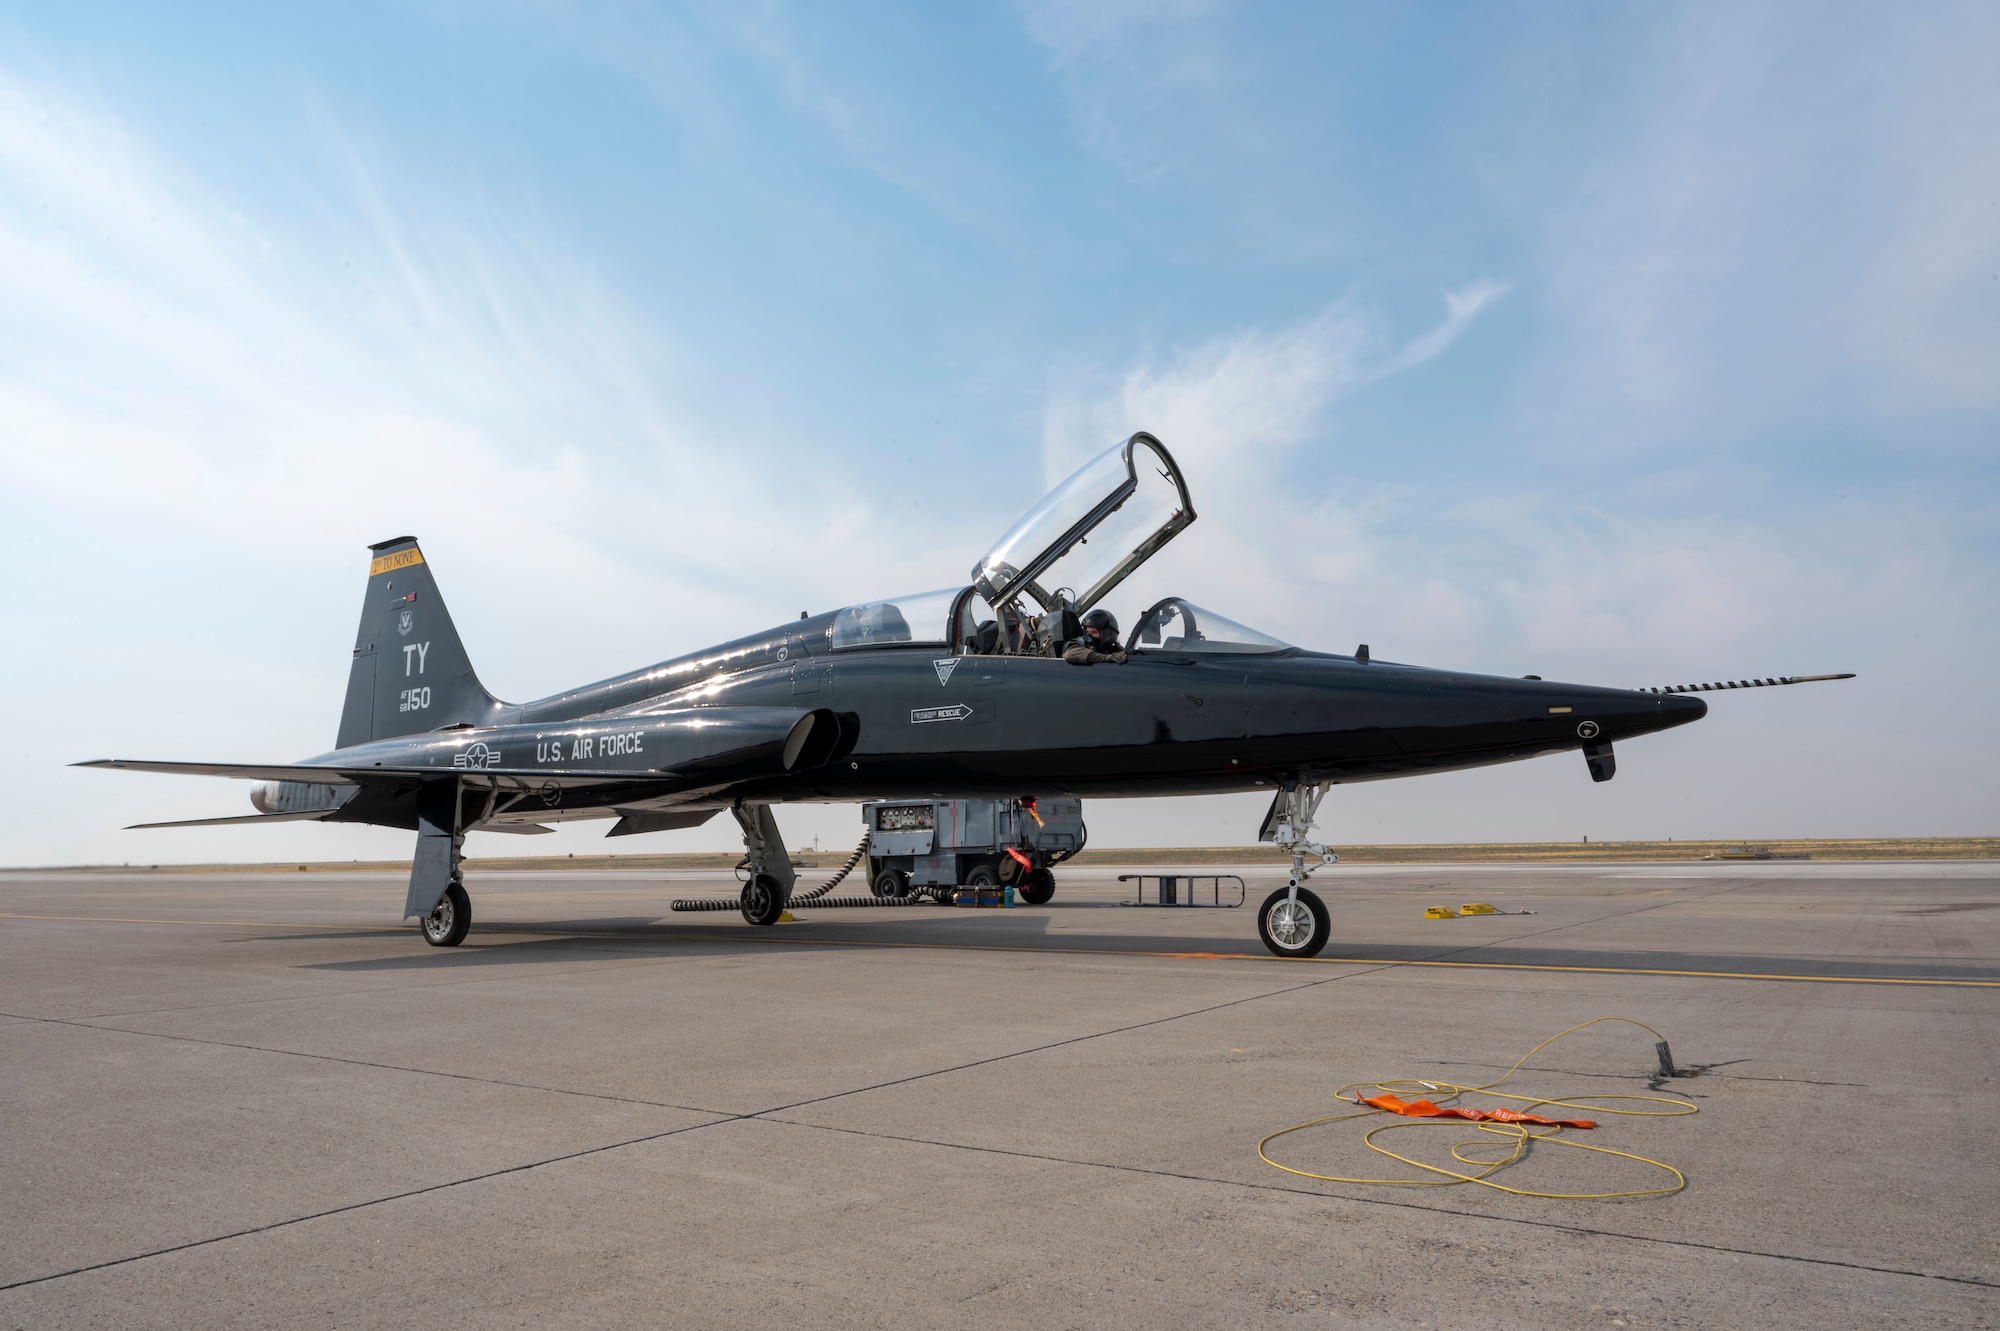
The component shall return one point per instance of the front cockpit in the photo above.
(1059, 562)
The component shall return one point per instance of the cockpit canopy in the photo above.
(1091, 531)
(1175, 625)
(924, 617)
(1066, 555)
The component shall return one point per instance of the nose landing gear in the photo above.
(1293, 921)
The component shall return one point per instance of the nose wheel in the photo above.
(1294, 925)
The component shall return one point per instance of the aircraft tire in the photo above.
(1300, 932)
(450, 919)
(762, 901)
(981, 876)
(891, 883)
(1038, 888)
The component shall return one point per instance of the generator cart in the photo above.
(971, 843)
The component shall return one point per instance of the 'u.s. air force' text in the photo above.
(590, 746)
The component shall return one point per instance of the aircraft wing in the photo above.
(309, 815)
(360, 776)
(326, 776)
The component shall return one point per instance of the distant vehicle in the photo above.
(958, 694)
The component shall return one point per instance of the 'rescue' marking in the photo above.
(957, 711)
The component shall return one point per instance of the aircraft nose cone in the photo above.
(1678, 709)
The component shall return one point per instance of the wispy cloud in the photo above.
(267, 392)
(1528, 579)
(1249, 392)
(1729, 266)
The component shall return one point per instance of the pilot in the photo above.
(1099, 642)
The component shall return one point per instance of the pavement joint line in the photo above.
(1052, 1044)
(356, 1206)
(553, 1090)
(450, 982)
(234, 924)
(1706, 1075)
(764, 1115)
(1382, 1201)
(933, 945)
(90, 1025)
(598, 1150)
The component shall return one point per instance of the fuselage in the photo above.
(916, 720)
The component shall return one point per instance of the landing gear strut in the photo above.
(437, 883)
(1293, 921)
(770, 884)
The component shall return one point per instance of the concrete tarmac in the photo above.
(257, 1100)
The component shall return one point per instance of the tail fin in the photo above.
(410, 671)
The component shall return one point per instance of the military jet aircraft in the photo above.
(963, 692)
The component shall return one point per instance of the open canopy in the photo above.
(1090, 532)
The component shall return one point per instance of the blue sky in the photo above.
(1613, 343)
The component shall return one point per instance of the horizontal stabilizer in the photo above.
(1746, 683)
(307, 816)
(360, 776)
(517, 829)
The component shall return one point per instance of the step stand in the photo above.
(1185, 889)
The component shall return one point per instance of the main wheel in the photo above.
(1038, 888)
(1294, 928)
(763, 900)
(981, 875)
(445, 926)
(891, 883)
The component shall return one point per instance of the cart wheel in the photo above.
(981, 875)
(763, 901)
(892, 883)
(1038, 888)
(1294, 928)
(448, 921)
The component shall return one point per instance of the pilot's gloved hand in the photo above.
(1078, 654)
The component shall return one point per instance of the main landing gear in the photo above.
(449, 920)
(1293, 921)
(437, 883)
(769, 886)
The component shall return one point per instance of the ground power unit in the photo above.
(994, 843)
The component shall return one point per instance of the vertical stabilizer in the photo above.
(410, 671)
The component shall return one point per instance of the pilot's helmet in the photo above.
(1104, 622)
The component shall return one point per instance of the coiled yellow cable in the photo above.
(1515, 1138)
